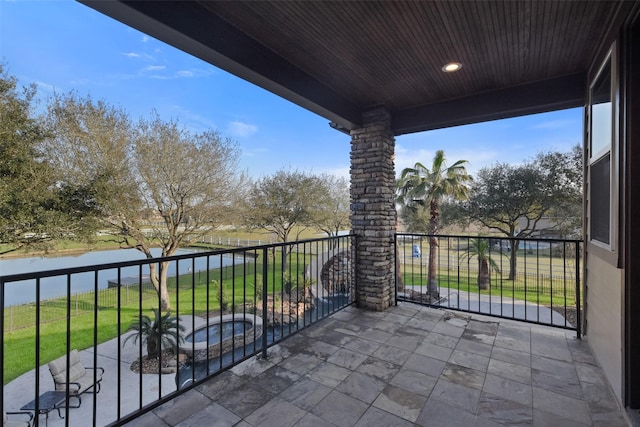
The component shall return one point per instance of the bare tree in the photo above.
(282, 203)
(331, 210)
(187, 181)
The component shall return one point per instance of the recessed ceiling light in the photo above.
(451, 67)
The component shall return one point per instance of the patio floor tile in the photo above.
(564, 406)
(306, 393)
(464, 376)
(340, 409)
(437, 413)
(508, 389)
(503, 411)
(276, 413)
(511, 371)
(362, 387)
(457, 395)
(398, 401)
(379, 369)
(379, 418)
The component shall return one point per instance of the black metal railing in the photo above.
(228, 305)
(530, 280)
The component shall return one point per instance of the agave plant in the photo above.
(480, 248)
(160, 332)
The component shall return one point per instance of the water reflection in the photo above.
(52, 287)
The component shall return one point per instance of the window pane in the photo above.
(601, 118)
(600, 199)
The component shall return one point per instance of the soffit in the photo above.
(340, 58)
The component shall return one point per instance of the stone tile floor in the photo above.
(407, 366)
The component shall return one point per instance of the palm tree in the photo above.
(161, 331)
(421, 185)
(480, 248)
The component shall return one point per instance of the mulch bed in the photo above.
(167, 365)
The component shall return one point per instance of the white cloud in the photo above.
(241, 129)
(182, 74)
(137, 55)
(154, 67)
(145, 38)
(194, 122)
(46, 87)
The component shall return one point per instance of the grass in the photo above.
(188, 295)
(528, 260)
(538, 291)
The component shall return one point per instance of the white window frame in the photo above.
(612, 149)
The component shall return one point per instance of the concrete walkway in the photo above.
(497, 304)
(406, 366)
(118, 377)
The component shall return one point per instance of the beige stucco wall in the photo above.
(604, 317)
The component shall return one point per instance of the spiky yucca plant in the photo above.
(160, 332)
(480, 248)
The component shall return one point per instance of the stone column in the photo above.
(373, 213)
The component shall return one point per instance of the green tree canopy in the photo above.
(153, 181)
(34, 207)
(515, 199)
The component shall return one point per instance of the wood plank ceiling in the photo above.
(339, 58)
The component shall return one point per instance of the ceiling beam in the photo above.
(191, 27)
(549, 95)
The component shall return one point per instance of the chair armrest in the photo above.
(69, 384)
(96, 368)
(25, 413)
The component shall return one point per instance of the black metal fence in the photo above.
(227, 305)
(530, 280)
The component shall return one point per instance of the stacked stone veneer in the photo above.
(336, 275)
(373, 214)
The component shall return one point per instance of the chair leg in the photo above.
(77, 396)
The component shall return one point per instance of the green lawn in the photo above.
(541, 290)
(186, 296)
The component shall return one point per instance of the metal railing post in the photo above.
(396, 267)
(265, 273)
(578, 302)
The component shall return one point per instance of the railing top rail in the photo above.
(133, 263)
(496, 237)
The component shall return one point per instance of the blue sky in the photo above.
(62, 45)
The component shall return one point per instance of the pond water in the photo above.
(229, 329)
(52, 287)
(200, 369)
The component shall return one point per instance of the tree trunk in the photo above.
(159, 281)
(152, 348)
(513, 259)
(484, 278)
(432, 281)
